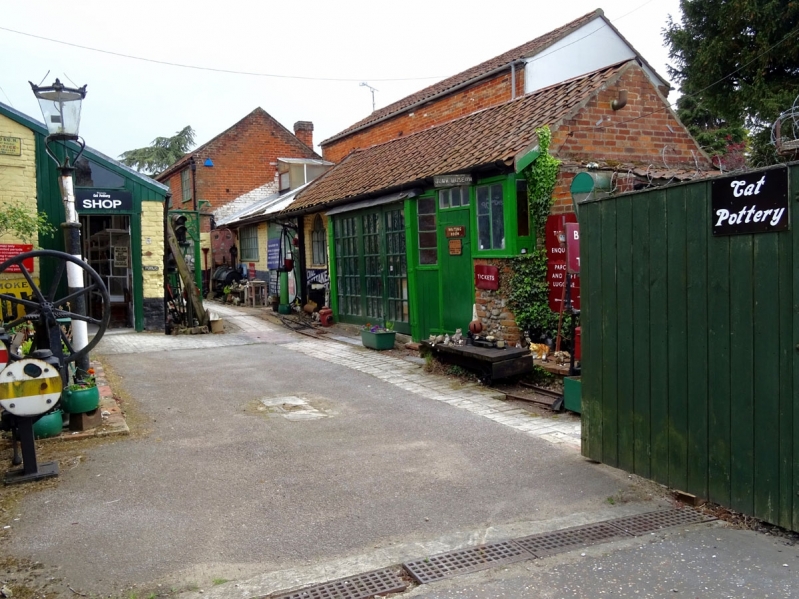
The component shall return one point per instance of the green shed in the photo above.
(691, 335)
(122, 216)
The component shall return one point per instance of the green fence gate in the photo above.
(691, 342)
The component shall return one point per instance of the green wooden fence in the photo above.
(690, 355)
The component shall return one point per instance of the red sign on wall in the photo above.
(556, 226)
(556, 277)
(251, 270)
(573, 247)
(11, 250)
(486, 277)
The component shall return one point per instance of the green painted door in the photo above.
(371, 267)
(457, 278)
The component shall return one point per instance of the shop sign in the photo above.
(455, 231)
(455, 247)
(273, 254)
(10, 146)
(486, 277)
(12, 250)
(573, 248)
(102, 201)
(251, 270)
(318, 276)
(451, 180)
(750, 203)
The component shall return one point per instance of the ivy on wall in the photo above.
(528, 295)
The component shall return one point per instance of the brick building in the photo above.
(434, 184)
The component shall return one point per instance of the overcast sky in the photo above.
(396, 47)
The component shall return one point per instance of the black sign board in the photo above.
(751, 203)
(100, 201)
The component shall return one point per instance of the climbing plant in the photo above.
(529, 293)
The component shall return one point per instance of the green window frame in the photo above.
(248, 244)
(428, 234)
(185, 185)
(490, 217)
(453, 197)
(318, 242)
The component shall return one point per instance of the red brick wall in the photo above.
(462, 102)
(244, 158)
(642, 133)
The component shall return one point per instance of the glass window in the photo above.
(248, 244)
(454, 197)
(490, 217)
(90, 174)
(319, 241)
(185, 184)
(428, 240)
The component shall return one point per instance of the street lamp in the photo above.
(61, 110)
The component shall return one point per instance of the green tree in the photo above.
(161, 154)
(22, 222)
(739, 60)
(724, 142)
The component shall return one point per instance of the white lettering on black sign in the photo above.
(96, 200)
(751, 203)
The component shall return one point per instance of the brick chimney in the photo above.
(304, 132)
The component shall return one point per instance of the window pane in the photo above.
(90, 174)
(522, 208)
(443, 198)
(427, 240)
(248, 242)
(484, 232)
(428, 257)
(427, 206)
(427, 222)
(185, 183)
(497, 219)
(482, 201)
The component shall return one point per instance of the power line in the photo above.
(199, 68)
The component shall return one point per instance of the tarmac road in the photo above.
(220, 489)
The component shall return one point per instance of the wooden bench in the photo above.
(489, 364)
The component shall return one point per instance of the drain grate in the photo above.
(463, 561)
(642, 524)
(363, 586)
(558, 541)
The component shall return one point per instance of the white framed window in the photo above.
(185, 184)
(248, 244)
(319, 241)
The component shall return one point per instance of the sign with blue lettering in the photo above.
(101, 201)
(754, 202)
(273, 254)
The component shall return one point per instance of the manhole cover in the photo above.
(559, 541)
(463, 561)
(642, 524)
(361, 586)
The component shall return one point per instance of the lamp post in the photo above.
(60, 107)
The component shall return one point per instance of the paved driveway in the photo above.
(269, 451)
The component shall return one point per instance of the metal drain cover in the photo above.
(362, 586)
(642, 524)
(463, 561)
(559, 541)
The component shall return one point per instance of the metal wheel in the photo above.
(43, 309)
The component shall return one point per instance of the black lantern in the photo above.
(61, 108)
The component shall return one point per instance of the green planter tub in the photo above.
(379, 340)
(49, 425)
(572, 394)
(80, 401)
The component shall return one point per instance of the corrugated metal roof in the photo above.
(269, 205)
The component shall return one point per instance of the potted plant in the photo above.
(377, 337)
(82, 395)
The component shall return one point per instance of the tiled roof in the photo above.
(278, 128)
(474, 73)
(482, 138)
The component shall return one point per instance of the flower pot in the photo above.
(80, 400)
(378, 340)
(49, 425)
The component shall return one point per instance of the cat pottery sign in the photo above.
(750, 203)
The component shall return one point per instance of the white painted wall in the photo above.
(592, 47)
